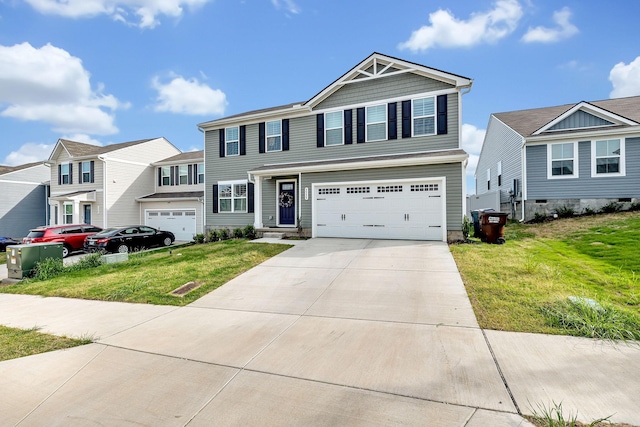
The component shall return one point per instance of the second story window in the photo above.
(87, 172)
(183, 174)
(274, 136)
(166, 175)
(333, 128)
(424, 116)
(200, 173)
(232, 141)
(65, 173)
(376, 123)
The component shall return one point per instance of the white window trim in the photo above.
(267, 136)
(623, 159)
(233, 198)
(435, 125)
(163, 176)
(68, 174)
(366, 123)
(226, 142)
(198, 174)
(499, 173)
(64, 213)
(327, 128)
(82, 172)
(488, 179)
(575, 161)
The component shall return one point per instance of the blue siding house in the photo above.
(579, 156)
(376, 154)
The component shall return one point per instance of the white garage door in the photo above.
(411, 210)
(182, 222)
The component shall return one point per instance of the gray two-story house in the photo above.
(376, 154)
(578, 156)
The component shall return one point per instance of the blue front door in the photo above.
(287, 203)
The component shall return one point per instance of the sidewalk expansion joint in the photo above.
(504, 380)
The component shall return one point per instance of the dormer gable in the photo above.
(584, 116)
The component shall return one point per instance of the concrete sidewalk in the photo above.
(330, 332)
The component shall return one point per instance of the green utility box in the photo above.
(22, 259)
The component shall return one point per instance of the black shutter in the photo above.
(215, 198)
(195, 173)
(190, 174)
(70, 173)
(250, 202)
(406, 119)
(160, 177)
(392, 114)
(221, 137)
(243, 140)
(59, 174)
(261, 137)
(173, 172)
(92, 171)
(348, 129)
(285, 135)
(79, 172)
(320, 130)
(360, 124)
(442, 114)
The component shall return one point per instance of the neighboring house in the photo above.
(376, 154)
(177, 204)
(23, 199)
(577, 156)
(99, 185)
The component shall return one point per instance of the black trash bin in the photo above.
(492, 226)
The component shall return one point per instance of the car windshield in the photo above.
(107, 232)
(35, 233)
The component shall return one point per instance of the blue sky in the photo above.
(109, 71)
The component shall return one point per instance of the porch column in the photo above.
(257, 202)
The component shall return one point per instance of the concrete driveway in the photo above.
(330, 332)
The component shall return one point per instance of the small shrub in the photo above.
(238, 233)
(589, 211)
(466, 227)
(213, 236)
(538, 218)
(565, 212)
(635, 206)
(612, 207)
(86, 262)
(250, 232)
(198, 238)
(48, 268)
(224, 234)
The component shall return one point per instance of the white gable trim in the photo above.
(591, 109)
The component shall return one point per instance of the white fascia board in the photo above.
(586, 135)
(374, 164)
(168, 199)
(591, 109)
(245, 119)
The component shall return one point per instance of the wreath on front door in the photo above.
(286, 200)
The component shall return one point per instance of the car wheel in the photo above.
(167, 241)
(66, 250)
(122, 248)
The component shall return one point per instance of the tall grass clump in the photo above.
(48, 268)
(553, 416)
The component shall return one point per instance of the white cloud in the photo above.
(472, 140)
(146, 11)
(289, 5)
(563, 30)
(625, 79)
(49, 85)
(447, 31)
(30, 152)
(184, 96)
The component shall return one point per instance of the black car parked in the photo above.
(126, 239)
(6, 241)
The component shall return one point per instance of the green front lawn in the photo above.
(16, 343)
(512, 286)
(149, 277)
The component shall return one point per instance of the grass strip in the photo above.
(16, 343)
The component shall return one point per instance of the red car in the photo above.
(70, 235)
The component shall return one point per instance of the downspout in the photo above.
(204, 184)
(523, 185)
(104, 191)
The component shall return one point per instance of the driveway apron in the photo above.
(329, 332)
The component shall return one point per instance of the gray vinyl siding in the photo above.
(501, 143)
(583, 187)
(452, 172)
(365, 91)
(580, 119)
(24, 206)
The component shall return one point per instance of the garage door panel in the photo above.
(181, 222)
(388, 210)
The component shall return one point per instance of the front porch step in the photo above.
(273, 235)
